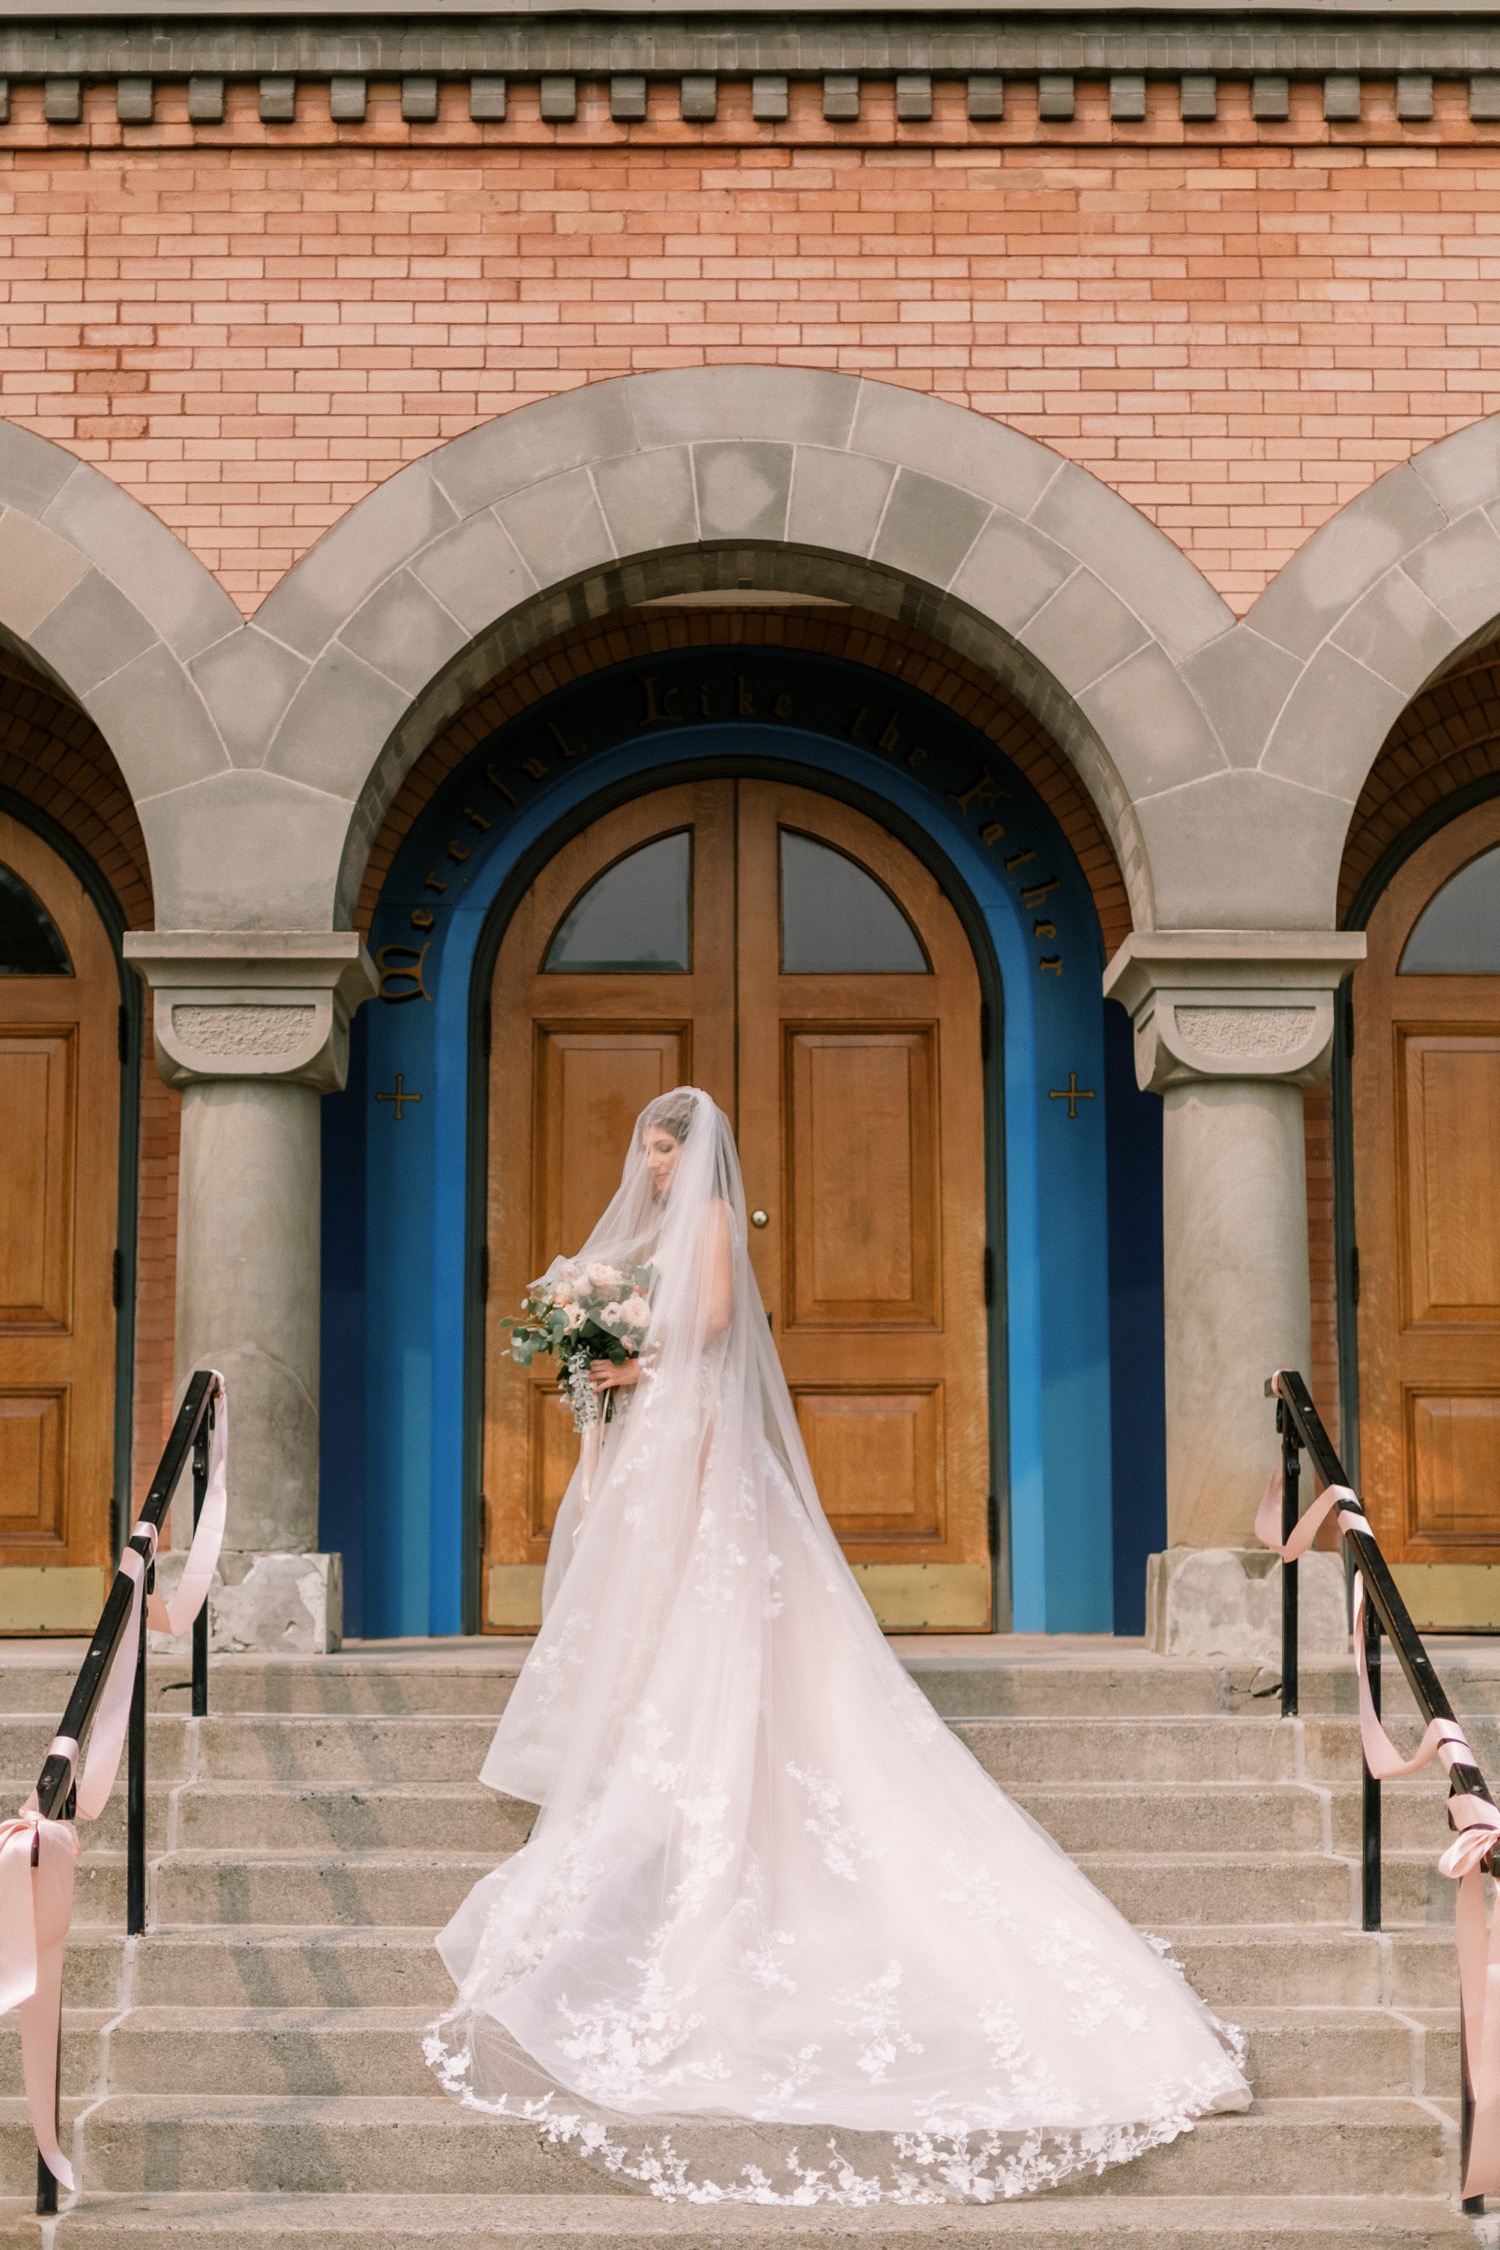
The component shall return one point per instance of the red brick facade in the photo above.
(1236, 325)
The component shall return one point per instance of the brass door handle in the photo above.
(760, 1219)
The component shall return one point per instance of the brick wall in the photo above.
(1236, 325)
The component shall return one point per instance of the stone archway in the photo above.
(795, 481)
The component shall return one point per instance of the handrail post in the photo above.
(1370, 1791)
(135, 1804)
(1291, 1474)
(200, 1622)
(1471, 2205)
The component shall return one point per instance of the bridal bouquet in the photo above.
(583, 1312)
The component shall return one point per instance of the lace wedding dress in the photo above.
(776, 1936)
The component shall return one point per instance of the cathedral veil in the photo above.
(775, 1936)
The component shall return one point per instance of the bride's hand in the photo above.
(605, 1376)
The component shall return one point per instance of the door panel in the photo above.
(59, 1098)
(1426, 1085)
(592, 1086)
(37, 1077)
(862, 1203)
(1454, 1466)
(33, 1461)
(857, 1100)
(1450, 1176)
(877, 1457)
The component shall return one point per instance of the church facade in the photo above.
(937, 576)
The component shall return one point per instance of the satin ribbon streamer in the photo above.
(37, 1856)
(1476, 1820)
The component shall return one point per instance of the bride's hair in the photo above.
(670, 1113)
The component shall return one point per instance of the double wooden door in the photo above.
(60, 1102)
(1426, 1086)
(791, 957)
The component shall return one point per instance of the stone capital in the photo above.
(253, 1003)
(1232, 1003)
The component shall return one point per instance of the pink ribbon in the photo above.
(1476, 1820)
(37, 1856)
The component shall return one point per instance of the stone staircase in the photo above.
(250, 2071)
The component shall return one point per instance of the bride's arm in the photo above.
(716, 1304)
(718, 1272)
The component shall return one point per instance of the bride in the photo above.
(776, 1936)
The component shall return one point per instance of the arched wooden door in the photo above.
(1426, 1109)
(789, 955)
(60, 1101)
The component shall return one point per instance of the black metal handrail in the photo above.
(57, 1789)
(1301, 1429)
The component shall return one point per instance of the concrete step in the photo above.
(364, 2051)
(1236, 1968)
(134, 2143)
(509, 2222)
(442, 1816)
(107, 1833)
(349, 1753)
(313, 1967)
(1172, 1817)
(24, 1740)
(1015, 1751)
(1299, 2052)
(465, 1817)
(371, 1888)
(1294, 2052)
(365, 1889)
(1245, 1887)
(80, 2051)
(1332, 1750)
(465, 1677)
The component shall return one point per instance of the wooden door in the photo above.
(1426, 1081)
(861, 1127)
(59, 1097)
(830, 1004)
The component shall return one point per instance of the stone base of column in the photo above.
(267, 1605)
(1225, 1603)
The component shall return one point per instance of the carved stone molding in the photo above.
(254, 1004)
(1231, 1003)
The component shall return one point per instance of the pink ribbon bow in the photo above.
(37, 1856)
(1475, 1818)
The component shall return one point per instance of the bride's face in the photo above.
(662, 1152)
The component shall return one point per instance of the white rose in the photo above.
(612, 1315)
(575, 1318)
(604, 1277)
(638, 1312)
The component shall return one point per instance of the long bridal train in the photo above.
(776, 1936)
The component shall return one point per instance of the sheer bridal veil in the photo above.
(769, 1898)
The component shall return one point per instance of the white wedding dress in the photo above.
(776, 1936)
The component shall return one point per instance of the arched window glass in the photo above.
(30, 942)
(637, 915)
(1458, 932)
(836, 918)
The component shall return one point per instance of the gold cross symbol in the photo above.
(400, 1096)
(1072, 1093)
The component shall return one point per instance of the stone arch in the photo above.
(784, 479)
(101, 598)
(1384, 597)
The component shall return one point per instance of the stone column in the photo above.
(254, 1028)
(1229, 1028)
